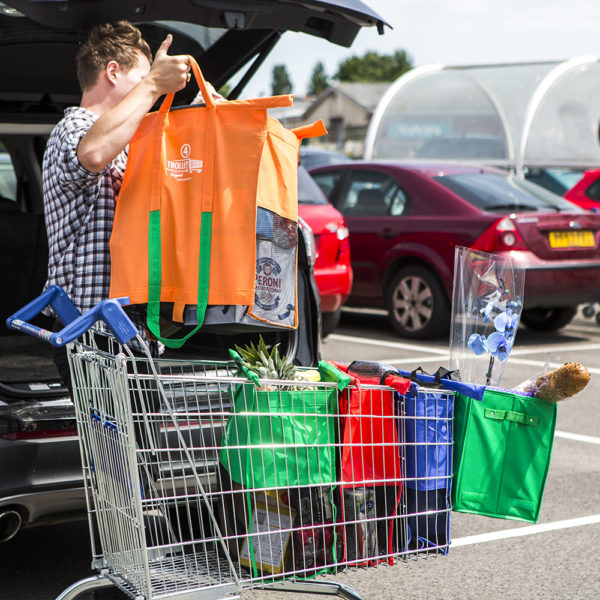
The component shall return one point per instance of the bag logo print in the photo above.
(268, 283)
(182, 169)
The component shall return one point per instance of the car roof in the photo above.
(39, 39)
(431, 169)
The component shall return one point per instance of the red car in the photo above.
(405, 220)
(333, 272)
(586, 192)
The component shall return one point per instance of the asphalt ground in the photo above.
(555, 559)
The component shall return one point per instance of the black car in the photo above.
(40, 472)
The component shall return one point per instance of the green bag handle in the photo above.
(154, 224)
(331, 373)
(250, 375)
(511, 415)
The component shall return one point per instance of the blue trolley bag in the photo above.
(426, 427)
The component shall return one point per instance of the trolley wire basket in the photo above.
(201, 483)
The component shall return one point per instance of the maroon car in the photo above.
(405, 220)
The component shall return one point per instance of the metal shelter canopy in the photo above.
(543, 114)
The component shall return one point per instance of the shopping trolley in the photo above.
(201, 483)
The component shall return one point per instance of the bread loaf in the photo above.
(564, 382)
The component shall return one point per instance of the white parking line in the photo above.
(523, 531)
(548, 349)
(385, 343)
(415, 360)
(577, 437)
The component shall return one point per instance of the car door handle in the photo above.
(387, 234)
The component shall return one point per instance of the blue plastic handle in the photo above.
(472, 390)
(76, 324)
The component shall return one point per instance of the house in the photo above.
(345, 108)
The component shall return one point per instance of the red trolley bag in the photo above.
(370, 465)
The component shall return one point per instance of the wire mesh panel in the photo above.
(201, 483)
(146, 444)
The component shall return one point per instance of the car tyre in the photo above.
(548, 319)
(330, 322)
(417, 304)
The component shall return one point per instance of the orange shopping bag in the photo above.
(185, 233)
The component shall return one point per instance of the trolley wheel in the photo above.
(588, 311)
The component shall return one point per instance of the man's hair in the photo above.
(120, 42)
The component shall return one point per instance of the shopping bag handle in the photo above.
(76, 324)
(472, 390)
(316, 129)
(511, 415)
(250, 375)
(208, 99)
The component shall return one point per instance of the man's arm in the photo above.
(113, 130)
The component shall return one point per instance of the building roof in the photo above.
(365, 94)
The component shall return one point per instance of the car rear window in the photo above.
(503, 193)
(308, 190)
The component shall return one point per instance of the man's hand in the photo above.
(168, 73)
(117, 122)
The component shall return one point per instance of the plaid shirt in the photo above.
(79, 209)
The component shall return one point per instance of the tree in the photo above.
(374, 67)
(318, 80)
(281, 83)
(224, 90)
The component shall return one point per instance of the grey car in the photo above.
(40, 473)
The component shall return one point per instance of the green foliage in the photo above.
(224, 90)
(318, 80)
(266, 364)
(374, 67)
(281, 83)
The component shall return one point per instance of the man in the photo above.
(86, 156)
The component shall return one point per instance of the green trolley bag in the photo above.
(283, 438)
(502, 454)
(282, 443)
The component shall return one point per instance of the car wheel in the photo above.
(548, 319)
(417, 304)
(330, 321)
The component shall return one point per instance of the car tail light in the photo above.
(343, 255)
(342, 234)
(38, 434)
(502, 235)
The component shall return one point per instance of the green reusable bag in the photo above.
(279, 438)
(502, 454)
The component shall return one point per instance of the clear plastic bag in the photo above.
(486, 309)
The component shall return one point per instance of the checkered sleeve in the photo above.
(67, 164)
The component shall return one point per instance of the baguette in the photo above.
(564, 382)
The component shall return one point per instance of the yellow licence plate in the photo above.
(572, 239)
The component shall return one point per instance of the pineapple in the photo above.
(267, 365)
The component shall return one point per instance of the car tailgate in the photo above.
(556, 236)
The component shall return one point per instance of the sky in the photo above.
(450, 32)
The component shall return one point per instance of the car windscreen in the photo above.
(558, 181)
(308, 191)
(503, 193)
(311, 159)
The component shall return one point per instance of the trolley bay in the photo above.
(490, 558)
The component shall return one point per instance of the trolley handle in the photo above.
(76, 324)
